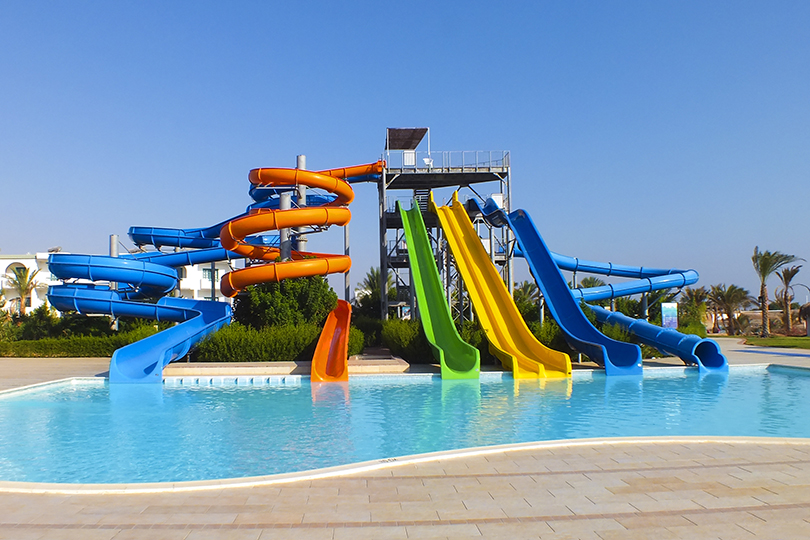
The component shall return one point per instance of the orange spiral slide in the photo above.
(326, 365)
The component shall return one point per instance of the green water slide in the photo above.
(458, 359)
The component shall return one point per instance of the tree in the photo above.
(22, 281)
(367, 294)
(729, 301)
(527, 299)
(785, 296)
(765, 264)
(590, 282)
(288, 302)
(693, 304)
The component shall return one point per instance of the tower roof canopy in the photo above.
(404, 138)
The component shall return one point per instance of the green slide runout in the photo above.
(458, 359)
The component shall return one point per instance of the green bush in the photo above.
(240, 343)
(356, 341)
(551, 335)
(407, 340)
(78, 346)
(472, 333)
(614, 331)
(695, 328)
(371, 328)
(289, 302)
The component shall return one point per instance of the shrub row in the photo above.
(289, 343)
(407, 340)
(78, 346)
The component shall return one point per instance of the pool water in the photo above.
(88, 432)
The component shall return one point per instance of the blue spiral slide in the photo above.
(618, 358)
(142, 361)
(143, 277)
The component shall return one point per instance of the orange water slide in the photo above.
(257, 221)
(330, 362)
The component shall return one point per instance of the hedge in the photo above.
(239, 343)
(74, 347)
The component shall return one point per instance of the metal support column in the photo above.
(509, 242)
(213, 281)
(285, 203)
(347, 284)
(301, 200)
(113, 285)
(383, 248)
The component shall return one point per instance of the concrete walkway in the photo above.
(663, 488)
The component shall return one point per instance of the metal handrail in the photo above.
(447, 161)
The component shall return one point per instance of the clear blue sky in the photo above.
(656, 133)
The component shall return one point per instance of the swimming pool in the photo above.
(85, 431)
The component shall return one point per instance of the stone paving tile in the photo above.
(152, 535)
(585, 526)
(371, 533)
(224, 535)
(442, 531)
(21, 534)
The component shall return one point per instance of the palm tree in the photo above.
(526, 292)
(693, 303)
(367, 294)
(729, 300)
(22, 281)
(590, 282)
(786, 294)
(765, 264)
(371, 283)
(527, 299)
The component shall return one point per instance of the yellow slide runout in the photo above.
(509, 337)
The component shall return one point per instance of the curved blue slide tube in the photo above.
(693, 350)
(143, 361)
(618, 358)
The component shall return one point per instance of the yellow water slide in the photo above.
(509, 337)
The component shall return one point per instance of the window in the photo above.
(181, 273)
(207, 274)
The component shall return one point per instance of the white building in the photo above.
(43, 280)
(195, 281)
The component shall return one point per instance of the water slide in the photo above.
(143, 276)
(458, 359)
(143, 361)
(329, 362)
(564, 302)
(617, 357)
(235, 235)
(509, 337)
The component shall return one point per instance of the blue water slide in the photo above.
(618, 358)
(694, 350)
(143, 361)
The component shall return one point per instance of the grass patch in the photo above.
(792, 342)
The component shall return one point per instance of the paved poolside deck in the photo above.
(660, 488)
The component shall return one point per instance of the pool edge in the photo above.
(374, 465)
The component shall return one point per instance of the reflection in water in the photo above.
(328, 392)
(129, 397)
(711, 383)
(623, 391)
(562, 386)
